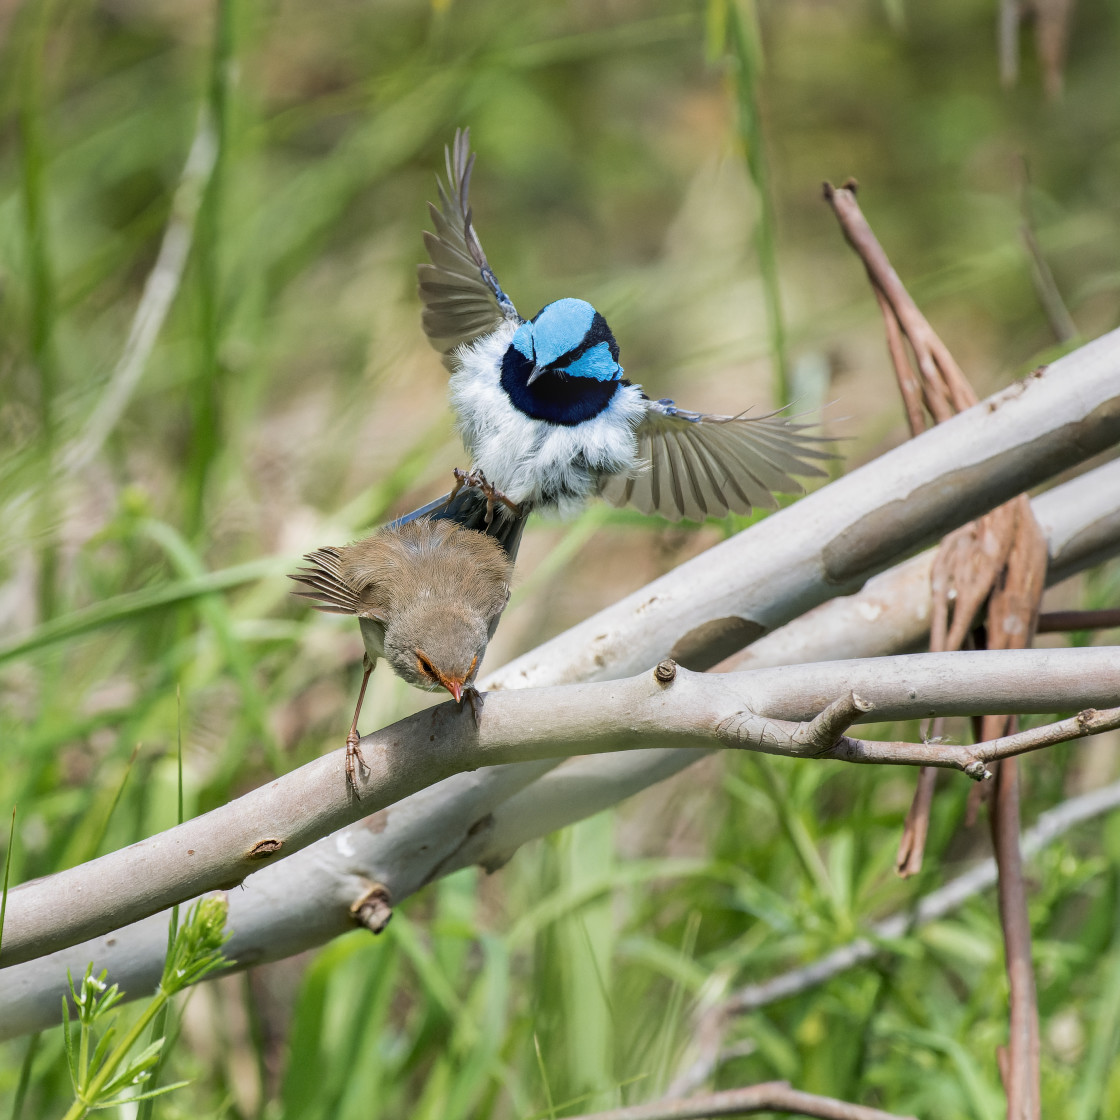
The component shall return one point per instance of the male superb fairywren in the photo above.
(546, 414)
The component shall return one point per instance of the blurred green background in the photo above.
(265, 167)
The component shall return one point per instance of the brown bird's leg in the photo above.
(354, 758)
(473, 697)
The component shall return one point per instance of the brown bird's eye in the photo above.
(425, 666)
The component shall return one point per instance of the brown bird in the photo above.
(428, 595)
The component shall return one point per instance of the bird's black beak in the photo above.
(537, 371)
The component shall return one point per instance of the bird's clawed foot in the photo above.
(473, 697)
(476, 480)
(355, 762)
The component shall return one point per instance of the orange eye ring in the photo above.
(425, 667)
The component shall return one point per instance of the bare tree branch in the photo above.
(834, 539)
(768, 1097)
(408, 846)
(484, 817)
(155, 301)
(219, 849)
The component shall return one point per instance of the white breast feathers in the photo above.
(552, 465)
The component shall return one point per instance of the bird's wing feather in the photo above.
(702, 465)
(461, 296)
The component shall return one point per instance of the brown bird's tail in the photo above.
(326, 586)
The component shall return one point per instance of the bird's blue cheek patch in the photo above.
(523, 340)
(596, 363)
(560, 327)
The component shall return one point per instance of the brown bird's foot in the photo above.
(355, 762)
(473, 697)
(476, 480)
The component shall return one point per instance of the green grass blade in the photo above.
(7, 873)
(134, 604)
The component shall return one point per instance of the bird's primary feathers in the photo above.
(546, 414)
(427, 594)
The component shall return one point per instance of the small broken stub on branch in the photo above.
(374, 909)
(263, 849)
(666, 671)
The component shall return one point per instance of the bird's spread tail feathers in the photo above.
(324, 583)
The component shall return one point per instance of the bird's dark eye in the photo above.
(425, 666)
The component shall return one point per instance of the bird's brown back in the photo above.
(397, 567)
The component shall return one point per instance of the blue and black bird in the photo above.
(546, 414)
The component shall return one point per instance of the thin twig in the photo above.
(908, 384)
(969, 759)
(962, 571)
(713, 1021)
(944, 385)
(155, 301)
(1020, 1079)
(767, 1097)
(1046, 287)
(1054, 622)
(1011, 620)
(1009, 19)
(1051, 33)
(915, 829)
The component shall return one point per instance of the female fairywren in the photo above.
(428, 595)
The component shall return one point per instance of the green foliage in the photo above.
(664, 161)
(112, 1072)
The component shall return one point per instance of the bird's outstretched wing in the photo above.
(461, 296)
(702, 466)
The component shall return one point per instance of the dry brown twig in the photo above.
(1058, 622)
(768, 1096)
(998, 560)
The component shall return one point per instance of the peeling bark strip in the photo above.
(998, 560)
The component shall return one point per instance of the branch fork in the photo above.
(815, 738)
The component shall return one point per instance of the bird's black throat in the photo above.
(554, 397)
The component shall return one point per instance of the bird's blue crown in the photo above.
(562, 365)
